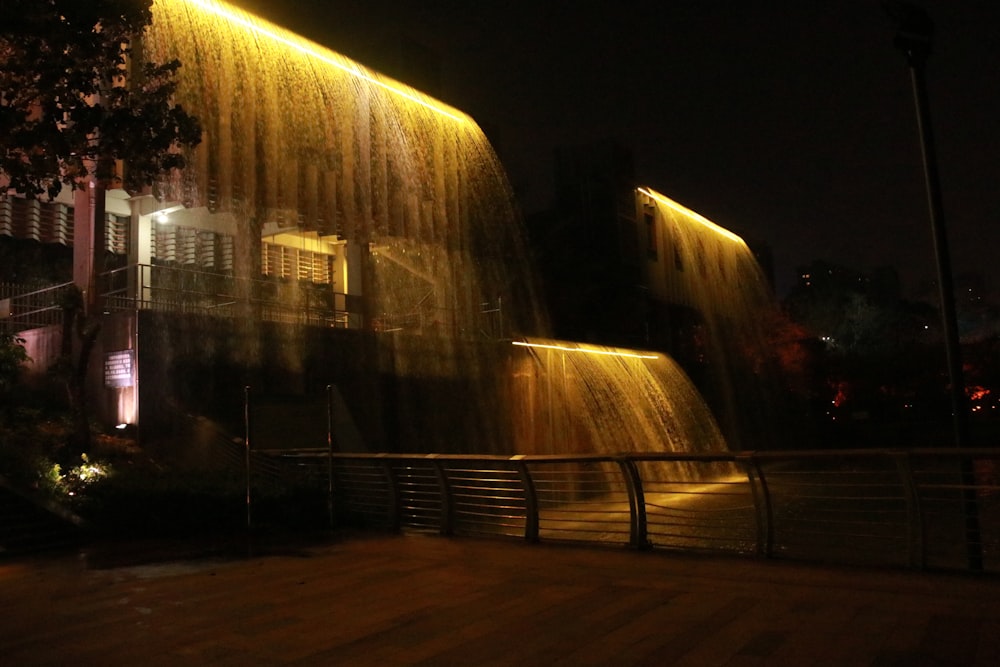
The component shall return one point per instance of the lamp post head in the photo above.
(914, 30)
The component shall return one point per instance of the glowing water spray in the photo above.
(301, 140)
(589, 398)
(691, 215)
(300, 44)
(585, 350)
(715, 285)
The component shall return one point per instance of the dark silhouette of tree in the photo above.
(880, 353)
(76, 108)
(73, 102)
(12, 357)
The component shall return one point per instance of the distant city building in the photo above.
(588, 249)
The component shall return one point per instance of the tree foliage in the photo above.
(73, 99)
(856, 313)
(12, 357)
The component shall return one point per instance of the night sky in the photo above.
(789, 122)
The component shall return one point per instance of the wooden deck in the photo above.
(427, 600)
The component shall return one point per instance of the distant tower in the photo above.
(588, 247)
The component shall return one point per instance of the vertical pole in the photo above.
(638, 531)
(447, 518)
(915, 545)
(530, 498)
(914, 40)
(99, 194)
(329, 454)
(946, 286)
(761, 501)
(500, 317)
(246, 442)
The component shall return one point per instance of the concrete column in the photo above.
(83, 240)
(140, 248)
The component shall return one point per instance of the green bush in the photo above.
(12, 357)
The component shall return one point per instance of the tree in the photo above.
(75, 106)
(12, 357)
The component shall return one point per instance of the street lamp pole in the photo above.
(913, 37)
(914, 40)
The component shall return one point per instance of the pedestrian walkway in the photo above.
(429, 600)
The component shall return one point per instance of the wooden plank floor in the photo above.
(425, 600)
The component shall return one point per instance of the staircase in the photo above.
(27, 526)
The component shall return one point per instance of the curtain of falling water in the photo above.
(302, 137)
(575, 397)
(711, 271)
(293, 128)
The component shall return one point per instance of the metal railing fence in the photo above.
(908, 508)
(183, 289)
(179, 289)
(38, 307)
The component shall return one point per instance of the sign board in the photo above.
(118, 369)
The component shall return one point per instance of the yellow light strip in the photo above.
(688, 212)
(305, 47)
(607, 353)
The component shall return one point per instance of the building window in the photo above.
(651, 243)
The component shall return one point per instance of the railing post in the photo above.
(970, 511)
(447, 505)
(916, 553)
(329, 455)
(393, 495)
(246, 447)
(638, 534)
(762, 503)
(530, 499)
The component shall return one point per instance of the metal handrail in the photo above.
(171, 288)
(36, 308)
(168, 288)
(886, 507)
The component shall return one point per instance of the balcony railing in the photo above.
(173, 289)
(183, 290)
(37, 307)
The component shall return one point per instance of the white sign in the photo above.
(118, 369)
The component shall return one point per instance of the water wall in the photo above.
(586, 398)
(301, 139)
(721, 305)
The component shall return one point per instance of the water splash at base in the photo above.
(573, 397)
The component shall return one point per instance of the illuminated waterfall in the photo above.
(300, 138)
(303, 146)
(707, 269)
(588, 398)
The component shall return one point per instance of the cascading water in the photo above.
(711, 274)
(303, 141)
(589, 398)
(297, 136)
